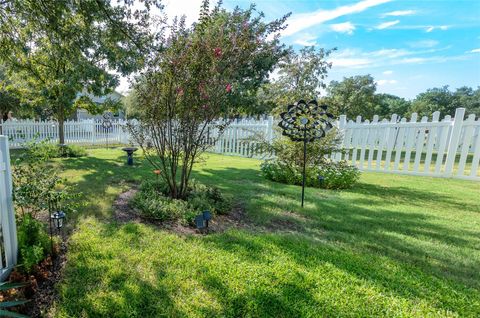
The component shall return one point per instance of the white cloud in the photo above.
(351, 62)
(439, 27)
(306, 40)
(299, 22)
(399, 13)
(346, 27)
(358, 59)
(390, 53)
(474, 51)
(424, 43)
(385, 25)
(386, 81)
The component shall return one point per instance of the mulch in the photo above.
(40, 285)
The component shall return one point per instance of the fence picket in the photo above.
(420, 144)
(399, 144)
(466, 141)
(411, 135)
(432, 137)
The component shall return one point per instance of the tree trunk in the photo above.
(61, 130)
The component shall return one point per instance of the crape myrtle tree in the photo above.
(64, 47)
(205, 72)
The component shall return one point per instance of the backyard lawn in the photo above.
(393, 245)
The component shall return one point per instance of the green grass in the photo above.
(396, 246)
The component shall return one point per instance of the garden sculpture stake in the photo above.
(305, 122)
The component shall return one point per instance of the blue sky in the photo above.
(407, 46)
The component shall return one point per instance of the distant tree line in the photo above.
(357, 95)
(302, 75)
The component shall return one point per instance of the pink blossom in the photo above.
(204, 106)
(179, 91)
(228, 88)
(218, 52)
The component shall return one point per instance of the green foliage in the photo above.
(287, 166)
(36, 182)
(71, 151)
(153, 202)
(209, 71)
(33, 242)
(352, 96)
(32, 185)
(446, 101)
(386, 105)
(300, 76)
(335, 175)
(61, 48)
(44, 150)
(356, 96)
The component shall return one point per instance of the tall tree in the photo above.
(206, 72)
(60, 48)
(353, 96)
(300, 76)
(388, 104)
(434, 99)
(8, 97)
(446, 101)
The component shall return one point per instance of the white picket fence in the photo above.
(440, 148)
(446, 148)
(238, 138)
(85, 132)
(8, 229)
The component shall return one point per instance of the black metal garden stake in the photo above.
(305, 122)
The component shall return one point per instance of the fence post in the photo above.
(454, 141)
(6, 209)
(270, 129)
(342, 123)
(94, 131)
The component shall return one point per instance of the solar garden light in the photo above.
(56, 219)
(305, 122)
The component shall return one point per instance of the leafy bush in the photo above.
(338, 175)
(70, 151)
(153, 202)
(34, 184)
(328, 175)
(44, 150)
(287, 165)
(33, 242)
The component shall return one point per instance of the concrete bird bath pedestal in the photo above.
(130, 151)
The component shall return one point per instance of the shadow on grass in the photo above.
(365, 232)
(368, 219)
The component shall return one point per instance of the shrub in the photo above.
(153, 202)
(328, 175)
(33, 242)
(34, 183)
(44, 150)
(287, 165)
(71, 151)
